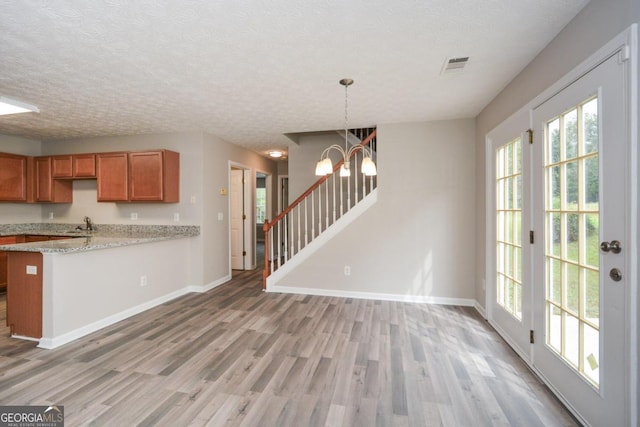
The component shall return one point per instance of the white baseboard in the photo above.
(373, 296)
(480, 309)
(209, 286)
(50, 343)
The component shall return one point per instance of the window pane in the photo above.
(571, 182)
(553, 130)
(590, 126)
(571, 134)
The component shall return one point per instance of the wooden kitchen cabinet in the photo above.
(76, 166)
(49, 189)
(154, 176)
(84, 166)
(24, 294)
(61, 166)
(13, 178)
(112, 172)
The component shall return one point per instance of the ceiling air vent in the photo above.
(454, 65)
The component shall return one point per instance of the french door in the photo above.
(558, 239)
(580, 194)
(509, 286)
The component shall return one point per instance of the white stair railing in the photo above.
(324, 203)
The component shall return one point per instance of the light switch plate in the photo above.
(32, 270)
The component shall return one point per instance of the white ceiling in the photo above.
(251, 71)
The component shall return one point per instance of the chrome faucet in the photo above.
(88, 224)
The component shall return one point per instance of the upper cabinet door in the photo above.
(113, 176)
(13, 178)
(84, 165)
(47, 188)
(155, 176)
(61, 167)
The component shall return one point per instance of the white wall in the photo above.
(415, 240)
(15, 213)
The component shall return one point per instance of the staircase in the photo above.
(319, 213)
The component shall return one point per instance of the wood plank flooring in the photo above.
(238, 356)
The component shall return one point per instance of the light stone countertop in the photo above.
(106, 236)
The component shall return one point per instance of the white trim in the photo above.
(480, 309)
(53, 342)
(209, 286)
(250, 215)
(22, 337)
(466, 302)
(323, 238)
(634, 222)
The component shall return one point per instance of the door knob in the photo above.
(615, 274)
(613, 246)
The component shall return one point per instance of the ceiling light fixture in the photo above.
(276, 154)
(11, 106)
(324, 165)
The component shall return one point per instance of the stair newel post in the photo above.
(267, 263)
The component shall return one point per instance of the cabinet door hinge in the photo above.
(531, 237)
(531, 340)
(530, 132)
(244, 253)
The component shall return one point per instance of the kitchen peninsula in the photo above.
(91, 279)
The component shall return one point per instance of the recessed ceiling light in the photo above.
(275, 154)
(11, 106)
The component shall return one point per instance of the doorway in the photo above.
(557, 272)
(241, 233)
(263, 204)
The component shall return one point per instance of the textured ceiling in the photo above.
(252, 71)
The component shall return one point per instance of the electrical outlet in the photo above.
(347, 270)
(134, 216)
(220, 216)
(32, 270)
(193, 200)
(176, 216)
(143, 280)
(50, 215)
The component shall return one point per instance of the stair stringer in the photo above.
(305, 253)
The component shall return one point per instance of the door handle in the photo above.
(613, 246)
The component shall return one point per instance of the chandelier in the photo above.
(324, 165)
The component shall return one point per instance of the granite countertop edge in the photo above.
(104, 237)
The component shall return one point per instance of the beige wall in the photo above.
(594, 26)
(417, 239)
(216, 157)
(303, 158)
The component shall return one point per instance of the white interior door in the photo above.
(236, 195)
(248, 185)
(580, 196)
(508, 284)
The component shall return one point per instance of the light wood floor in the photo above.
(238, 356)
